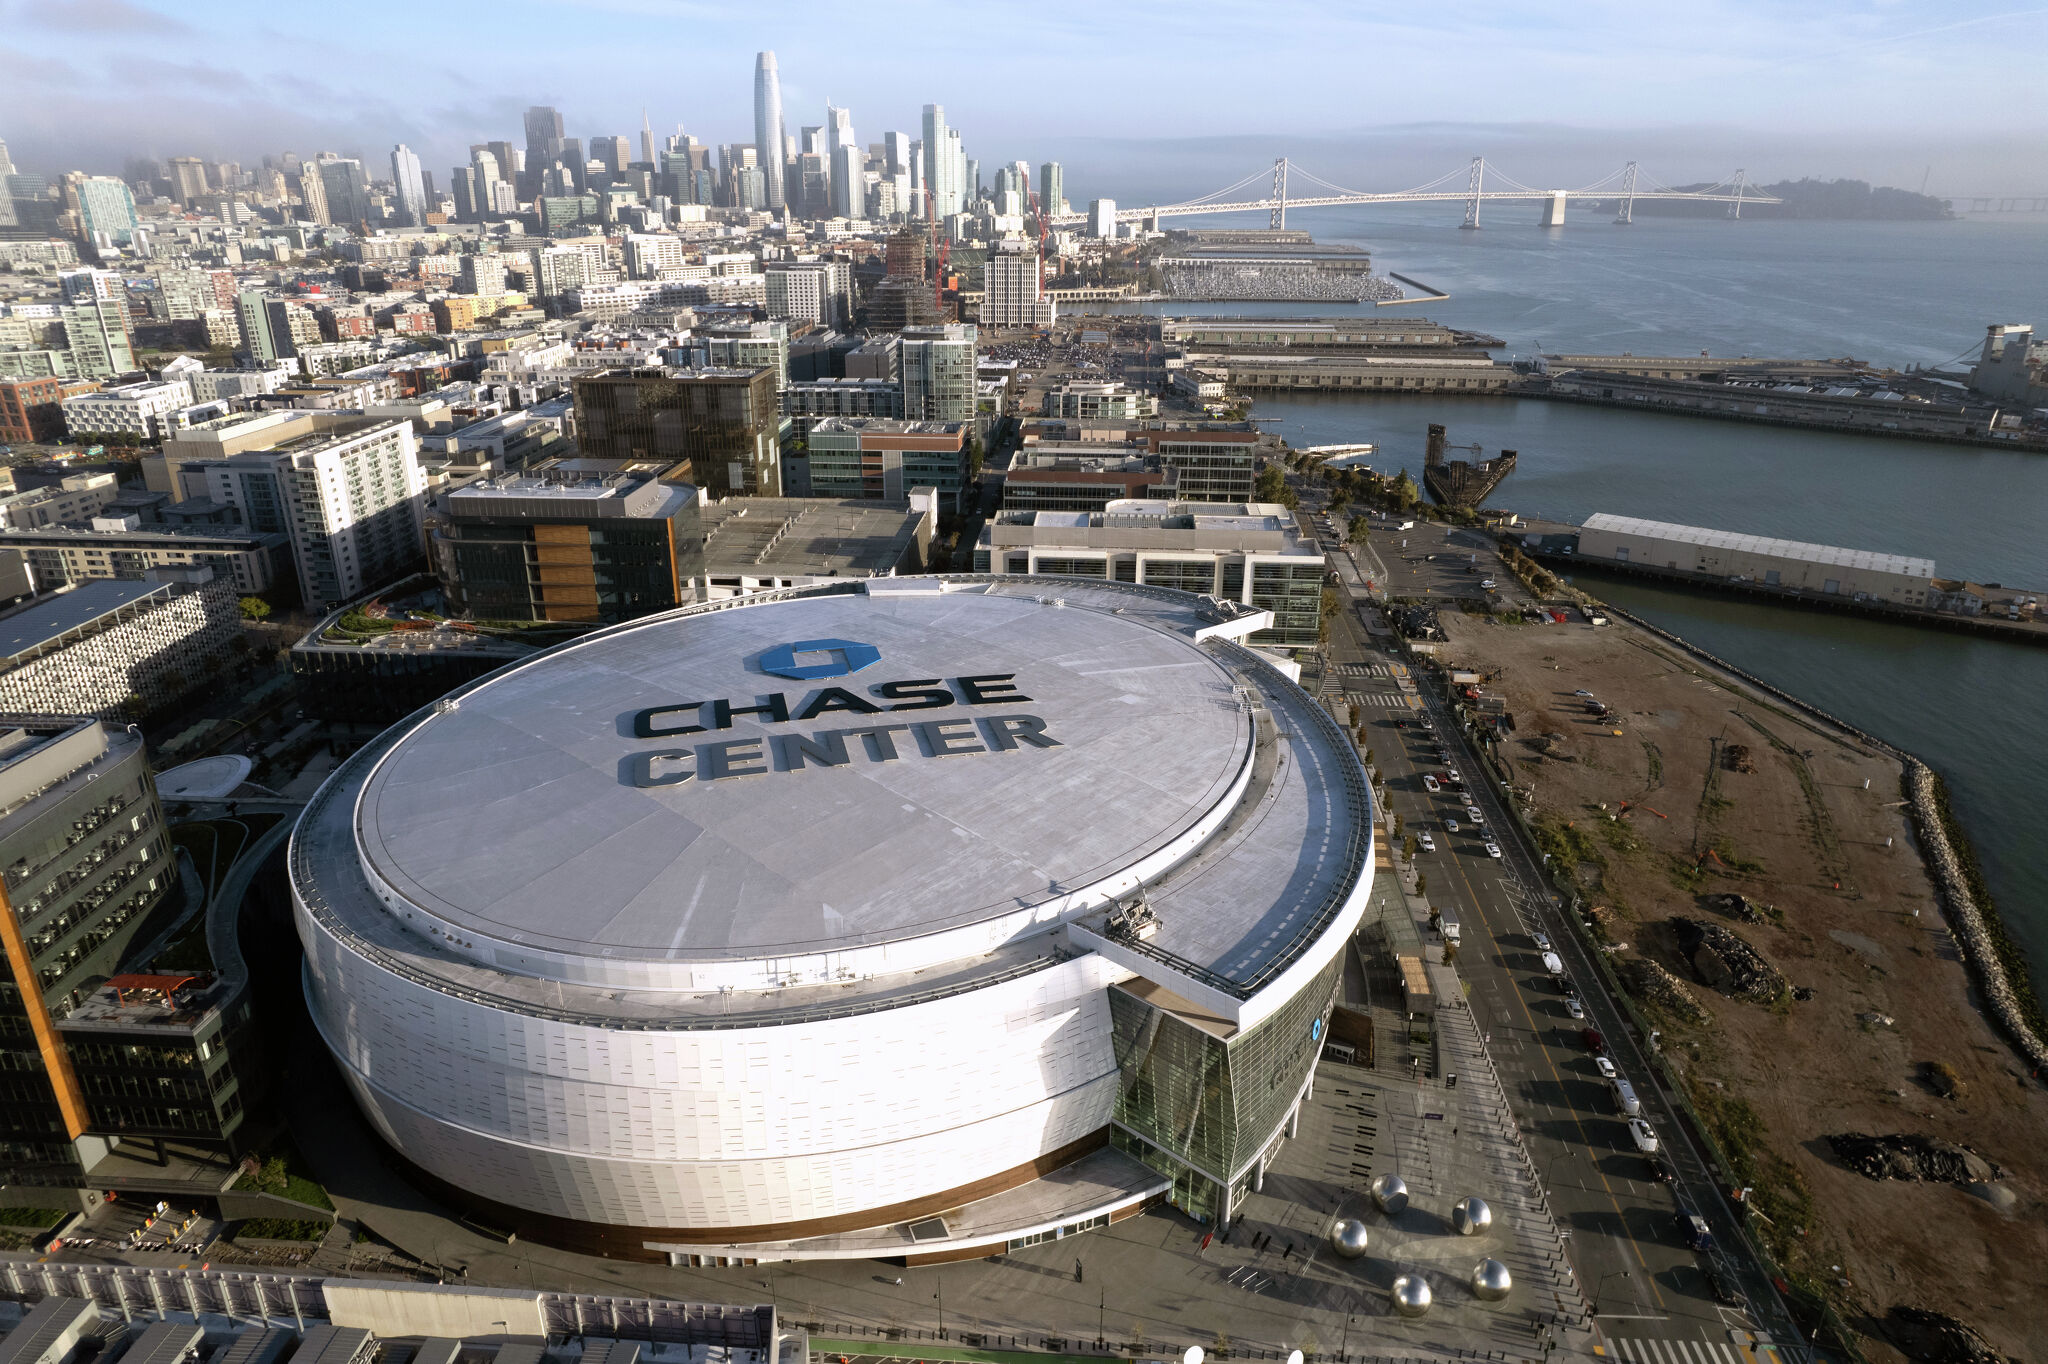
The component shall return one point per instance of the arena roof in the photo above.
(506, 846)
(507, 817)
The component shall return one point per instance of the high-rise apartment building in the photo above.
(106, 211)
(1052, 188)
(1102, 218)
(749, 345)
(86, 858)
(938, 372)
(410, 186)
(1011, 292)
(313, 193)
(188, 180)
(768, 132)
(942, 163)
(722, 422)
(348, 189)
(896, 154)
(347, 489)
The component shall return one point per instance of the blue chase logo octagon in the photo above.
(808, 659)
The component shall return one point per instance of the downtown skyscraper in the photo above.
(768, 134)
(944, 168)
(411, 186)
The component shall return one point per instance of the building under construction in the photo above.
(1461, 482)
(904, 298)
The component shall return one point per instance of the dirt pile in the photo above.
(1735, 758)
(1722, 961)
(1740, 907)
(1906, 1156)
(1932, 1338)
(1654, 985)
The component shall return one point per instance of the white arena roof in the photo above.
(508, 818)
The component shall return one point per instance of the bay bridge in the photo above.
(1626, 186)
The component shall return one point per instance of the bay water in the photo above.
(1893, 293)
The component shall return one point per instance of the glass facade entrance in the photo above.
(1200, 1108)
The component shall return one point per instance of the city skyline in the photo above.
(1858, 82)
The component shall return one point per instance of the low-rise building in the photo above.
(1788, 565)
(757, 544)
(1105, 401)
(561, 545)
(1048, 480)
(113, 647)
(32, 409)
(879, 459)
(1252, 553)
(144, 411)
(117, 546)
(724, 422)
(76, 498)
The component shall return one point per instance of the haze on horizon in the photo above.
(1149, 96)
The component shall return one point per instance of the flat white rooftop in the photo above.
(1873, 560)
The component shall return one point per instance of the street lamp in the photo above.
(1601, 1286)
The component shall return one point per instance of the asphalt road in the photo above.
(1650, 1291)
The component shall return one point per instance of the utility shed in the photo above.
(256, 1345)
(335, 1345)
(166, 1342)
(50, 1333)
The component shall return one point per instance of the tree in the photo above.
(255, 608)
(1421, 883)
(1404, 492)
(1399, 824)
(1272, 487)
(1408, 846)
(1360, 530)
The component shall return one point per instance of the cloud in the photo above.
(95, 16)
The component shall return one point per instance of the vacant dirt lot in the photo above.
(1709, 789)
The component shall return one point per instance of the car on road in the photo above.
(1427, 843)
(1645, 1136)
(1487, 583)
(1605, 1067)
(1693, 1230)
(1450, 826)
(1595, 1043)
(1493, 849)
(1554, 965)
(1472, 813)
(1430, 783)
(1721, 1285)
(1542, 941)
(1582, 692)
(1575, 1009)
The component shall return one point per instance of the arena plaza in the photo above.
(907, 918)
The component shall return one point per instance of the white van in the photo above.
(1625, 1098)
(1553, 964)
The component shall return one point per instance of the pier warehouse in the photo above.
(907, 917)
(1789, 565)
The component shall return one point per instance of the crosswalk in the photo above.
(1382, 700)
(1369, 670)
(1647, 1350)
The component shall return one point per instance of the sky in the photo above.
(1145, 101)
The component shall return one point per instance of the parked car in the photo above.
(1645, 1136)
(1487, 583)
(1542, 941)
(1450, 826)
(1595, 1043)
(1605, 1067)
(1430, 783)
(1575, 1009)
(1493, 850)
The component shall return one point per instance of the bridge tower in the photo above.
(1278, 219)
(1628, 196)
(1735, 209)
(1472, 188)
